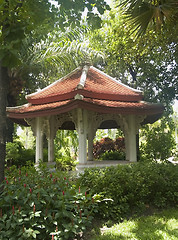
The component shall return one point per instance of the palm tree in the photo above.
(143, 13)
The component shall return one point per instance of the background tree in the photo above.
(19, 18)
(148, 63)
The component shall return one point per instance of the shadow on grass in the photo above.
(156, 227)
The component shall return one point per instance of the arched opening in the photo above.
(68, 125)
(109, 142)
(66, 146)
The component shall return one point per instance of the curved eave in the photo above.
(87, 94)
(95, 105)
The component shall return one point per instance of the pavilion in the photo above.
(86, 99)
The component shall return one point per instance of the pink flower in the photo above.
(34, 209)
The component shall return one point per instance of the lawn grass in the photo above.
(160, 226)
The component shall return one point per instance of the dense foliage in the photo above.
(157, 141)
(109, 149)
(148, 63)
(133, 189)
(40, 205)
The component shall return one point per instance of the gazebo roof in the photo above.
(86, 88)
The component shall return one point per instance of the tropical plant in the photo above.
(42, 205)
(143, 13)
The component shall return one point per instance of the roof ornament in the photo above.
(83, 77)
(78, 97)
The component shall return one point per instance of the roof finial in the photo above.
(83, 77)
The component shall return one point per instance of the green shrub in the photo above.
(65, 163)
(107, 145)
(133, 188)
(17, 155)
(40, 205)
(158, 140)
(113, 155)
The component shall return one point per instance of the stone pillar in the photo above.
(132, 138)
(50, 150)
(51, 135)
(82, 133)
(127, 155)
(91, 135)
(39, 140)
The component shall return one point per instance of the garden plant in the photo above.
(42, 205)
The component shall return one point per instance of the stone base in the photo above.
(105, 163)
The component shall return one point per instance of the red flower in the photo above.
(13, 210)
(30, 190)
(63, 193)
(51, 175)
(25, 185)
(85, 194)
(7, 182)
(5, 178)
(64, 178)
(54, 180)
(26, 174)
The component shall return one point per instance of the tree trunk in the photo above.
(3, 102)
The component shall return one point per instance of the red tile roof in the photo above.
(97, 85)
(95, 91)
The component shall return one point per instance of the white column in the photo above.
(50, 150)
(39, 140)
(132, 138)
(82, 133)
(91, 135)
(127, 156)
(51, 135)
